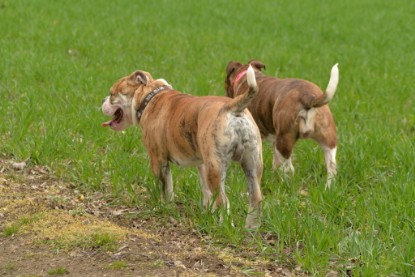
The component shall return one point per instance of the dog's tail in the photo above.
(330, 90)
(239, 103)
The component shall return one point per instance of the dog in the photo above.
(208, 132)
(286, 110)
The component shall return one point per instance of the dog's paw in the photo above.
(253, 219)
(252, 224)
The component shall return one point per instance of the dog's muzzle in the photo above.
(110, 110)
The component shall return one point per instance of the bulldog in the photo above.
(286, 110)
(207, 132)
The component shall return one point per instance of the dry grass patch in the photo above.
(61, 229)
(26, 210)
(67, 231)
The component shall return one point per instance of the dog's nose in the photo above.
(105, 99)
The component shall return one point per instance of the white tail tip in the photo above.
(335, 70)
(250, 77)
(334, 80)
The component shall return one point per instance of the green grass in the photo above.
(58, 271)
(117, 265)
(14, 228)
(10, 230)
(58, 59)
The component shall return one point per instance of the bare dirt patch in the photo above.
(47, 228)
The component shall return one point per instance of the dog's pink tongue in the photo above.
(106, 124)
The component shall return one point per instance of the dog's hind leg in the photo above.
(252, 166)
(330, 158)
(207, 194)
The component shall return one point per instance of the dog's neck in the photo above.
(238, 77)
(148, 98)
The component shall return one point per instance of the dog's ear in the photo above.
(139, 77)
(232, 66)
(257, 64)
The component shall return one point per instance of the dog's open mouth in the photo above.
(118, 115)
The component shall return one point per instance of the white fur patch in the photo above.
(330, 158)
(334, 80)
(107, 108)
(165, 82)
(307, 121)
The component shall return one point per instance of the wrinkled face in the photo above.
(121, 103)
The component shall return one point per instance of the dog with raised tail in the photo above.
(286, 110)
(208, 132)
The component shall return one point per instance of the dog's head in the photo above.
(234, 69)
(125, 97)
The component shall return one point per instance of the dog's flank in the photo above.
(241, 102)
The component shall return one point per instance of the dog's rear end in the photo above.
(240, 138)
(288, 109)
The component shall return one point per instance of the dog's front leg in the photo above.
(161, 171)
(282, 155)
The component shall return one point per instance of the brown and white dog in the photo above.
(207, 132)
(286, 110)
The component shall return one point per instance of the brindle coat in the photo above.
(207, 132)
(286, 110)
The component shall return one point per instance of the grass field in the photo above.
(58, 59)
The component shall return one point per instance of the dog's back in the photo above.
(286, 101)
(195, 125)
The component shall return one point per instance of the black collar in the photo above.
(148, 99)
